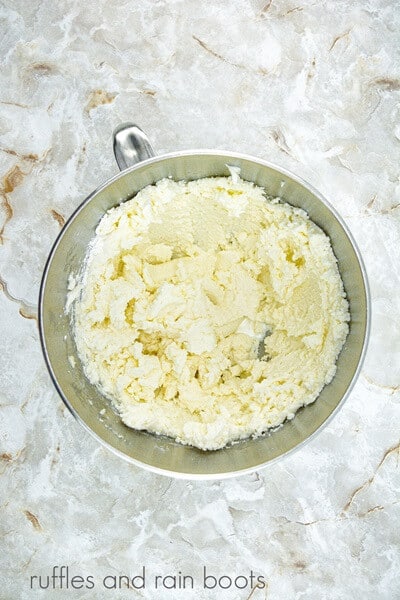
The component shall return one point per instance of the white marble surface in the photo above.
(311, 86)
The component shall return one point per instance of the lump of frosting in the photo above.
(208, 312)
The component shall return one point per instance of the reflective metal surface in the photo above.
(131, 145)
(162, 454)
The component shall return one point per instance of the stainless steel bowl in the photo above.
(158, 453)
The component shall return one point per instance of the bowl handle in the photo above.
(131, 145)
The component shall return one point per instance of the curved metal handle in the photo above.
(131, 145)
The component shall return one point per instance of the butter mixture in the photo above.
(209, 312)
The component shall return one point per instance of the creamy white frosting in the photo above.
(182, 284)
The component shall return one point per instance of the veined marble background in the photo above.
(313, 86)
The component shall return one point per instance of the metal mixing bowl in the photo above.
(159, 453)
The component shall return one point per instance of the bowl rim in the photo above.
(221, 154)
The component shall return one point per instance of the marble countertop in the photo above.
(311, 86)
